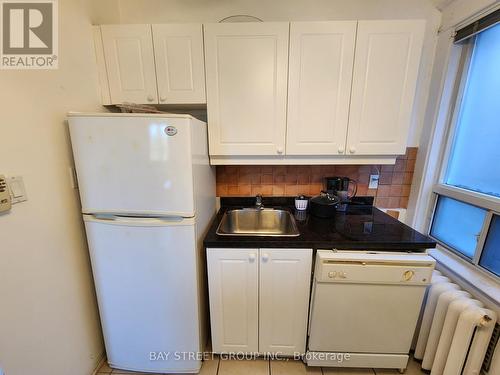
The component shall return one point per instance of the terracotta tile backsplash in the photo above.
(290, 180)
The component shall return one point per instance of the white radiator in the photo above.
(455, 330)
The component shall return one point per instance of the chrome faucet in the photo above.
(258, 202)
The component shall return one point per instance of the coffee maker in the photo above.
(343, 187)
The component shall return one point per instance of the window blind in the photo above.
(476, 27)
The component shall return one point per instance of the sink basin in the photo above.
(258, 222)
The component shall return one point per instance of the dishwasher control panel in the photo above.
(370, 268)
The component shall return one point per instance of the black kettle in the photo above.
(323, 205)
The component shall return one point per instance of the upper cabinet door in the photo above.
(383, 89)
(130, 63)
(179, 63)
(246, 68)
(319, 86)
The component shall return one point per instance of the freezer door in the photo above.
(134, 165)
(146, 283)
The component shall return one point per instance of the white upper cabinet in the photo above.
(179, 63)
(276, 92)
(319, 86)
(246, 67)
(130, 63)
(385, 75)
(159, 64)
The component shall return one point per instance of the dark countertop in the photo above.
(360, 228)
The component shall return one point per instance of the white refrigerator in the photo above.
(148, 195)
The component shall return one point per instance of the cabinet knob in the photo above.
(163, 98)
(251, 258)
(352, 150)
(150, 98)
(279, 150)
(265, 257)
(341, 150)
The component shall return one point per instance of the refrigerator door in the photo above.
(133, 165)
(146, 282)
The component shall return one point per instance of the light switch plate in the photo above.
(5, 198)
(17, 190)
(373, 181)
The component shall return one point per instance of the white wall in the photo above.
(48, 317)
(164, 11)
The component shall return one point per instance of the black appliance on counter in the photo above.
(344, 188)
(324, 205)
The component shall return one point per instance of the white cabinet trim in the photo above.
(101, 65)
(302, 160)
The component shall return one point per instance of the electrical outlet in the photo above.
(373, 181)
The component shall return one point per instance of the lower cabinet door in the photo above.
(233, 292)
(285, 276)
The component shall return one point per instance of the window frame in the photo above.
(487, 202)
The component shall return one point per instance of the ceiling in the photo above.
(441, 4)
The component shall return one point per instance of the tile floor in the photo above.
(218, 366)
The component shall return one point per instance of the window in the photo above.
(466, 217)
(490, 258)
(458, 225)
(477, 134)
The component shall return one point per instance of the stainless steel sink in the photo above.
(258, 222)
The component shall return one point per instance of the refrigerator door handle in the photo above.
(138, 221)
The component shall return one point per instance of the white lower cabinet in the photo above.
(285, 276)
(233, 282)
(259, 299)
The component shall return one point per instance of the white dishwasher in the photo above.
(365, 306)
